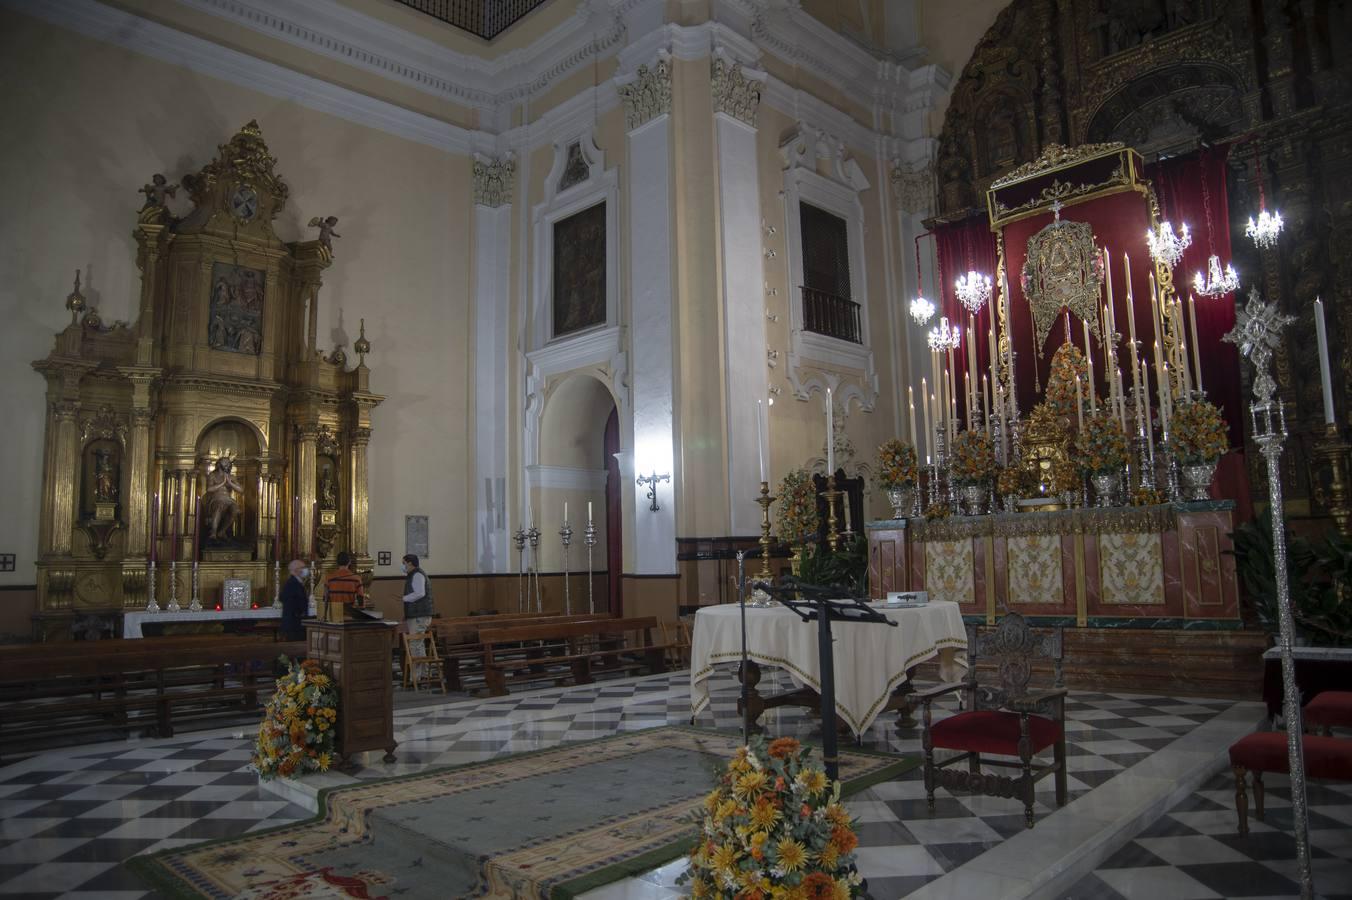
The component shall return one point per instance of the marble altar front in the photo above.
(1164, 566)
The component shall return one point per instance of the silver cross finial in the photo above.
(1257, 333)
(1056, 208)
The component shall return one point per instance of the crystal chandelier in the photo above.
(1166, 246)
(921, 310)
(973, 290)
(1216, 283)
(1264, 231)
(944, 337)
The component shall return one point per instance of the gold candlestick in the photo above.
(765, 499)
(832, 535)
(1333, 481)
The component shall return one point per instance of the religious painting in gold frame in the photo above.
(579, 287)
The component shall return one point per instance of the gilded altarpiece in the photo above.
(212, 428)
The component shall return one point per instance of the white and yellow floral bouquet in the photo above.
(298, 731)
(774, 828)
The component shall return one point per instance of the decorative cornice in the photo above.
(648, 95)
(493, 180)
(736, 90)
(1054, 156)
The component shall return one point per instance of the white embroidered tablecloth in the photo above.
(870, 659)
(132, 621)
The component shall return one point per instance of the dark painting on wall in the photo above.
(580, 271)
(235, 317)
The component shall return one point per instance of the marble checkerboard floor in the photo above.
(69, 818)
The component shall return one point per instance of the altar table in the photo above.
(1166, 566)
(871, 660)
(133, 621)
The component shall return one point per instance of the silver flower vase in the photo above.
(1197, 479)
(974, 499)
(902, 500)
(1105, 488)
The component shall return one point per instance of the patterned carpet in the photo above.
(69, 819)
(549, 823)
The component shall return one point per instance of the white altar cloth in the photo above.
(870, 659)
(132, 621)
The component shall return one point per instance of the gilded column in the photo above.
(358, 496)
(136, 505)
(63, 465)
(304, 487)
(148, 234)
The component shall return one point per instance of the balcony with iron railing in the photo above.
(831, 315)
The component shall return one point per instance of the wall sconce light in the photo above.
(651, 481)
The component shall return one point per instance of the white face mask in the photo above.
(304, 573)
(405, 568)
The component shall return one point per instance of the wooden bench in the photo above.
(461, 648)
(90, 687)
(568, 651)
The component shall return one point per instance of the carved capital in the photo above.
(493, 181)
(142, 418)
(914, 191)
(360, 437)
(648, 95)
(735, 93)
(307, 432)
(64, 410)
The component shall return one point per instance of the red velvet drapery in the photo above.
(1190, 188)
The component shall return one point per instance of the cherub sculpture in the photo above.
(157, 191)
(326, 232)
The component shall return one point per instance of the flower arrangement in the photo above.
(973, 457)
(797, 521)
(896, 465)
(774, 827)
(1197, 433)
(1144, 496)
(1012, 481)
(1102, 444)
(1067, 362)
(298, 731)
(937, 511)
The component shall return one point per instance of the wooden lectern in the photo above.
(356, 654)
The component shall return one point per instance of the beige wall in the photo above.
(950, 32)
(91, 122)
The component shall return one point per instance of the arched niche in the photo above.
(575, 467)
(1171, 108)
(239, 442)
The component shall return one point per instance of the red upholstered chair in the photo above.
(1266, 751)
(1328, 710)
(1003, 718)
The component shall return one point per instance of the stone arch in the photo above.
(1170, 108)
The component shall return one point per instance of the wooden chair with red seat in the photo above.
(1328, 710)
(1009, 718)
(1266, 751)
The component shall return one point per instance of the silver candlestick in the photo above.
(533, 535)
(566, 535)
(520, 539)
(151, 605)
(1257, 333)
(173, 588)
(589, 538)
(277, 584)
(194, 605)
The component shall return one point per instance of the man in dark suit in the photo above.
(295, 602)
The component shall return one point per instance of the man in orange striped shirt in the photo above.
(343, 585)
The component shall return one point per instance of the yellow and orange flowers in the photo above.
(297, 734)
(774, 829)
(896, 465)
(1198, 433)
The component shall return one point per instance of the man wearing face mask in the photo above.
(295, 602)
(417, 596)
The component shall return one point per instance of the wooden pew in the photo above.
(460, 646)
(112, 685)
(587, 648)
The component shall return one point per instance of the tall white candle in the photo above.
(565, 510)
(1196, 340)
(760, 438)
(971, 405)
(910, 414)
(1089, 358)
(1079, 404)
(830, 438)
(1324, 378)
(589, 512)
(1121, 403)
(926, 402)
